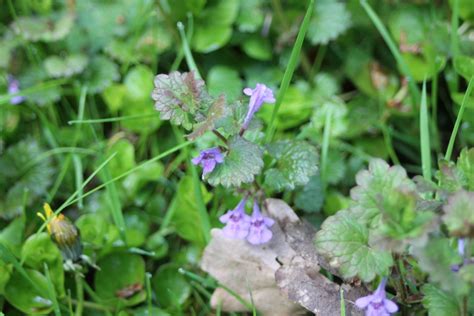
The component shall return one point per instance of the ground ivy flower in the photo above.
(259, 232)
(208, 159)
(461, 246)
(261, 94)
(377, 304)
(14, 87)
(237, 222)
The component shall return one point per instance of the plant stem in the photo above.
(80, 294)
(221, 137)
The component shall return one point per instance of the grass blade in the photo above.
(290, 69)
(455, 37)
(325, 148)
(52, 292)
(452, 139)
(187, 51)
(114, 119)
(414, 91)
(425, 136)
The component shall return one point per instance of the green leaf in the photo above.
(310, 199)
(27, 298)
(344, 240)
(330, 19)
(58, 67)
(223, 79)
(258, 48)
(213, 27)
(5, 273)
(375, 185)
(170, 286)
(22, 172)
(114, 96)
(465, 164)
(94, 229)
(185, 212)
(450, 177)
(179, 96)
(436, 258)
(296, 162)
(215, 112)
(458, 215)
(242, 162)
(138, 82)
(38, 250)
(439, 302)
(464, 66)
(101, 73)
(125, 158)
(121, 273)
(44, 28)
(251, 16)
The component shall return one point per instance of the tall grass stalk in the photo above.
(290, 69)
(425, 135)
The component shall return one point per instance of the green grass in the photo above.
(425, 136)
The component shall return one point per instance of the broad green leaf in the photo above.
(93, 228)
(296, 162)
(138, 227)
(258, 48)
(185, 212)
(65, 67)
(465, 164)
(138, 82)
(6, 47)
(214, 25)
(155, 311)
(451, 179)
(464, 66)
(38, 250)
(120, 279)
(11, 236)
(170, 286)
(224, 79)
(114, 96)
(375, 185)
(344, 240)
(44, 28)
(437, 258)
(35, 76)
(311, 197)
(22, 295)
(23, 172)
(136, 181)
(125, 158)
(439, 302)
(339, 121)
(251, 16)
(179, 96)
(101, 73)
(330, 19)
(458, 214)
(242, 162)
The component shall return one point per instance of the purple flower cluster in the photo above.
(254, 228)
(13, 88)
(261, 94)
(377, 304)
(208, 159)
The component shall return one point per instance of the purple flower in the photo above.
(237, 222)
(259, 232)
(208, 159)
(14, 87)
(261, 94)
(461, 246)
(377, 304)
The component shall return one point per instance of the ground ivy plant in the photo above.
(239, 160)
(416, 232)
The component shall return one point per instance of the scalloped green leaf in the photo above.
(345, 241)
(377, 183)
(330, 19)
(242, 162)
(44, 28)
(458, 214)
(179, 96)
(58, 67)
(465, 164)
(296, 162)
(439, 302)
(101, 73)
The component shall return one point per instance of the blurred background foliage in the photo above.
(89, 60)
